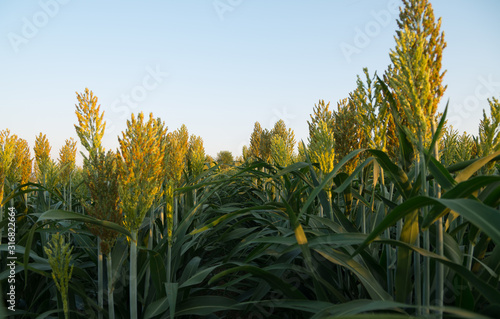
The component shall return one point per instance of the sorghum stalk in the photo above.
(111, 300)
(426, 244)
(439, 238)
(150, 247)
(59, 255)
(169, 207)
(100, 177)
(417, 268)
(100, 284)
(140, 160)
(133, 276)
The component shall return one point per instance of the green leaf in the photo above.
(205, 305)
(484, 217)
(47, 313)
(27, 251)
(355, 307)
(158, 272)
(375, 316)
(271, 279)
(408, 235)
(338, 240)
(57, 214)
(406, 149)
(119, 255)
(190, 269)
(290, 168)
(399, 177)
(198, 277)
(437, 134)
(84, 242)
(492, 193)
(488, 291)
(347, 181)
(474, 167)
(156, 308)
(463, 294)
(224, 217)
(440, 173)
(367, 279)
(326, 180)
(460, 190)
(171, 288)
(313, 306)
(393, 216)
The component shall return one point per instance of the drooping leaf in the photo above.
(57, 214)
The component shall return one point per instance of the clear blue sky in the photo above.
(229, 62)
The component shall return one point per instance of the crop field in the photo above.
(385, 211)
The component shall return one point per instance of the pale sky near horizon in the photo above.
(220, 65)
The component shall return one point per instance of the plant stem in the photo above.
(133, 276)
(388, 236)
(440, 267)
(330, 202)
(363, 212)
(176, 204)
(439, 238)
(194, 197)
(418, 279)
(416, 256)
(169, 262)
(65, 307)
(426, 260)
(470, 256)
(100, 279)
(69, 200)
(162, 219)
(111, 301)
(1, 218)
(150, 247)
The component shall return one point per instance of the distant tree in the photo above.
(196, 155)
(175, 157)
(282, 144)
(322, 113)
(225, 158)
(301, 152)
(347, 133)
(281, 153)
(245, 153)
(209, 160)
(457, 148)
(321, 146)
(371, 111)
(489, 132)
(67, 160)
(238, 160)
(254, 150)
(42, 156)
(265, 145)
